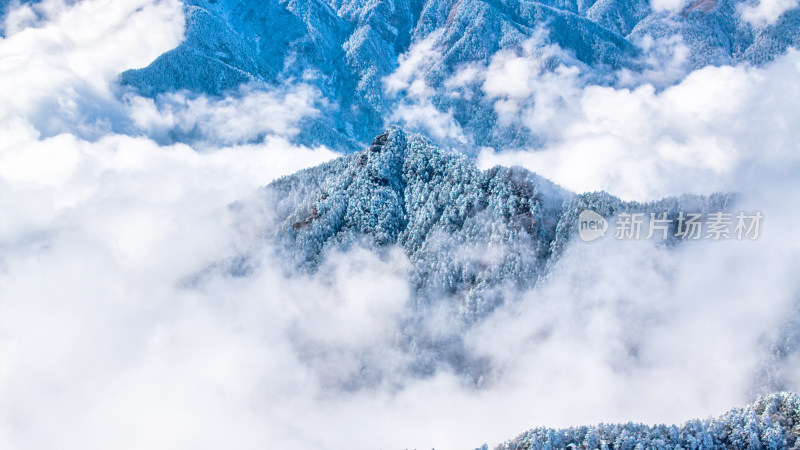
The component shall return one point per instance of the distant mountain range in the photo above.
(346, 49)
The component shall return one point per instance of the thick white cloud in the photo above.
(100, 345)
(249, 116)
(57, 75)
(522, 87)
(766, 12)
(634, 325)
(720, 129)
(667, 5)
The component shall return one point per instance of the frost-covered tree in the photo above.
(771, 422)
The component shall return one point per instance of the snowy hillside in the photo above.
(470, 235)
(772, 422)
(475, 240)
(347, 49)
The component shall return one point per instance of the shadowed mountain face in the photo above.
(346, 49)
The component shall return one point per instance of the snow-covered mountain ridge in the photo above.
(470, 234)
(347, 49)
(772, 422)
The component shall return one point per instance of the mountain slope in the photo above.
(772, 422)
(473, 237)
(346, 49)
